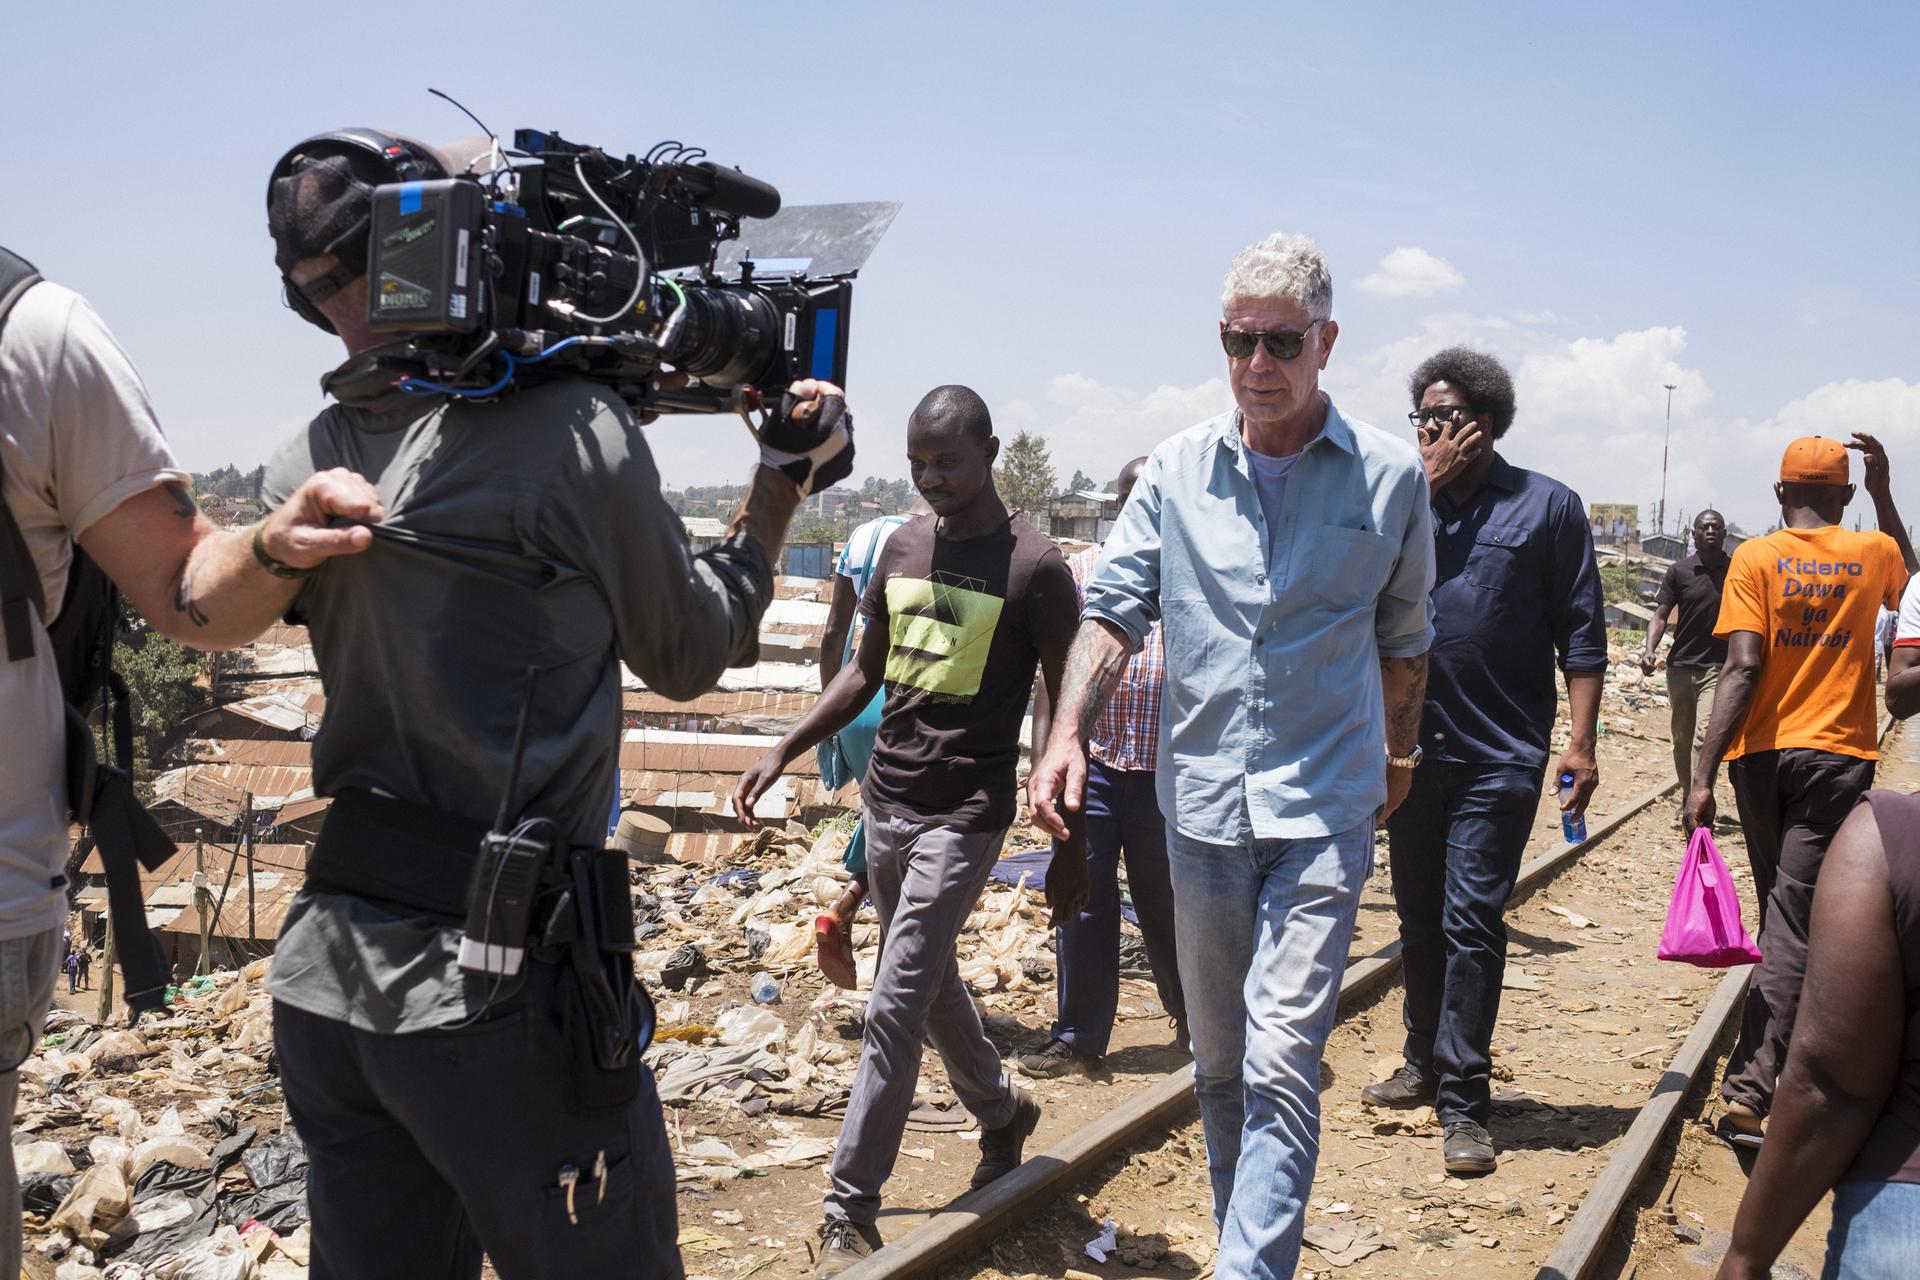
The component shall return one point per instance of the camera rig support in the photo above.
(563, 259)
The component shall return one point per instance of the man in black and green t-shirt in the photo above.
(962, 606)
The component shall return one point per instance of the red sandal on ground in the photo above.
(833, 952)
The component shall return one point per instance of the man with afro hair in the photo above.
(1516, 592)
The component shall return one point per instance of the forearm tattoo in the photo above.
(1403, 705)
(1094, 664)
(183, 601)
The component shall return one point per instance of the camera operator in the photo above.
(83, 462)
(526, 552)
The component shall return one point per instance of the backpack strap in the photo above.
(19, 579)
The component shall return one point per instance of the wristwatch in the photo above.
(1407, 762)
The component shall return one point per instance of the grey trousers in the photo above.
(27, 966)
(1690, 692)
(924, 879)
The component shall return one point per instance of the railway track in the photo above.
(1588, 1243)
(975, 1220)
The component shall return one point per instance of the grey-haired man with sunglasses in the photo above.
(1287, 552)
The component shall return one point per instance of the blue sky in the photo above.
(1610, 198)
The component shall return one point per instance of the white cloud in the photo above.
(1412, 273)
(1592, 414)
(1096, 428)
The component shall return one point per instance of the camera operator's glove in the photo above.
(814, 452)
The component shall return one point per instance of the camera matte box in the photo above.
(425, 257)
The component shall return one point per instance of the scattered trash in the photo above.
(1342, 1245)
(766, 988)
(685, 964)
(1571, 916)
(1105, 1243)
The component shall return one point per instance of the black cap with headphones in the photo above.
(320, 203)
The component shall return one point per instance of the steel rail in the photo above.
(970, 1221)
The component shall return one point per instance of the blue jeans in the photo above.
(1457, 842)
(1264, 928)
(1875, 1233)
(1122, 814)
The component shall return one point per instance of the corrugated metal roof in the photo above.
(282, 857)
(216, 790)
(246, 751)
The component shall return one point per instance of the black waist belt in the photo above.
(410, 856)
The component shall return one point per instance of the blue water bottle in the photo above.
(1572, 825)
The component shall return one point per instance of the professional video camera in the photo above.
(565, 259)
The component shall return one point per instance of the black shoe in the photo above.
(843, 1243)
(1404, 1089)
(1000, 1148)
(1468, 1148)
(1058, 1059)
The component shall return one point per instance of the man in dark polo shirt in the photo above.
(1691, 591)
(1515, 588)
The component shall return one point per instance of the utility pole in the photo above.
(203, 899)
(1665, 445)
(246, 834)
(106, 976)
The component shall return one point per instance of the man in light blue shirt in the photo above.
(1288, 554)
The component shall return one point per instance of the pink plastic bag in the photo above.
(1703, 920)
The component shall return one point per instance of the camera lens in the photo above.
(731, 336)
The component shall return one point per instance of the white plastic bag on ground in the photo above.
(41, 1157)
(117, 1115)
(118, 1046)
(98, 1200)
(221, 1256)
(174, 1149)
(117, 1152)
(750, 1025)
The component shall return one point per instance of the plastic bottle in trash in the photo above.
(766, 988)
(1572, 825)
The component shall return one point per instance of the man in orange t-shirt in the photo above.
(1795, 716)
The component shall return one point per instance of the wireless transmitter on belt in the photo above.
(506, 876)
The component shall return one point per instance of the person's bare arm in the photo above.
(1731, 698)
(1403, 686)
(767, 510)
(831, 712)
(1903, 681)
(1879, 486)
(1066, 885)
(1845, 1057)
(1583, 709)
(204, 586)
(1093, 668)
(1650, 652)
(1042, 716)
(833, 641)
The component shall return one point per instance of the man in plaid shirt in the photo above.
(1123, 815)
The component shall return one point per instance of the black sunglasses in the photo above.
(1445, 414)
(1281, 344)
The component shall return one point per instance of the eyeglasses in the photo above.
(1445, 414)
(1281, 344)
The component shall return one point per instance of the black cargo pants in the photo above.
(427, 1148)
(1791, 802)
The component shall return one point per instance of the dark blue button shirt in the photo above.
(1515, 586)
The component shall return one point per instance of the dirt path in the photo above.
(765, 1223)
(1681, 1222)
(1587, 1023)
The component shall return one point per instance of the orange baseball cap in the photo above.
(1815, 460)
